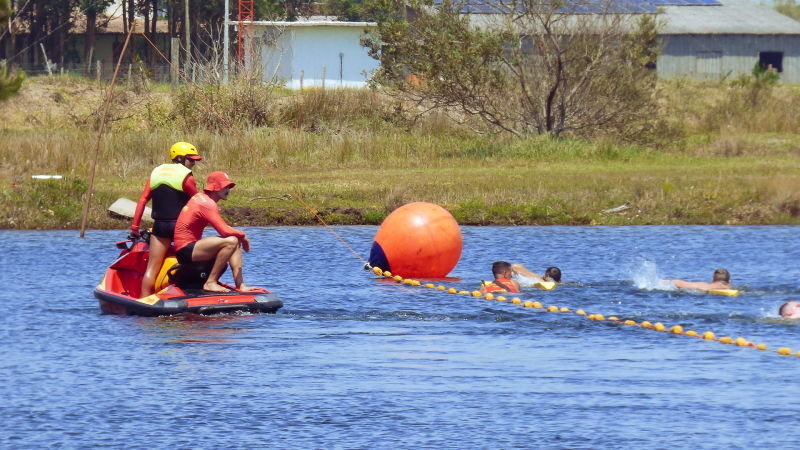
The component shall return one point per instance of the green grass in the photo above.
(353, 157)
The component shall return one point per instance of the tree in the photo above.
(788, 8)
(531, 67)
(355, 10)
(10, 81)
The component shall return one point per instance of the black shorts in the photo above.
(184, 255)
(164, 229)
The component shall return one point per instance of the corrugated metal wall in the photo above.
(713, 56)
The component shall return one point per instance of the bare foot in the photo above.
(214, 287)
(246, 288)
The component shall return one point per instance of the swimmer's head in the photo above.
(552, 274)
(722, 275)
(501, 268)
(790, 310)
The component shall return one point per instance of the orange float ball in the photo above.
(418, 240)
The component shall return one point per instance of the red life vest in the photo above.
(499, 285)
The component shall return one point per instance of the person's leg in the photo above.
(219, 249)
(236, 268)
(158, 248)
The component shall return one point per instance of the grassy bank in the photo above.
(721, 157)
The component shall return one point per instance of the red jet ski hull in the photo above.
(118, 292)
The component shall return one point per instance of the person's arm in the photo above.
(516, 285)
(137, 216)
(189, 185)
(521, 271)
(700, 286)
(211, 212)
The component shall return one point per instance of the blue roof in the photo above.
(586, 7)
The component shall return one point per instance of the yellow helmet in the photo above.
(184, 149)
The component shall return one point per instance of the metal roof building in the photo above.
(728, 39)
(702, 38)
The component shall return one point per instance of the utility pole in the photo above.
(225, 43)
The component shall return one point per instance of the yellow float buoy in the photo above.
(387, 274)
(613, 319)
(464, 293)
(441, 288)
(725, 340)
(476, 293)
(591, 317)
(761, 346)
(377, 271)
(726, 292)
(709, 336)
(677, 329)
(552, 308)
(691, 333)
(489, 297)
(537, 305)
(564, 309)
(398, 278)
(646, 324)
(740, 341)
(429, 285)
(408, 281)
(784, 351)
(544, 285)
(516, 301)
(452, 291)
(580, 312)
(630, 322)
(528, 304)
(599, 317)
(659, 326)
(500, 298)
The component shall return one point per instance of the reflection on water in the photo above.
(357, 362)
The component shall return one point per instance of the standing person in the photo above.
(170, 186)
(190, 245)
(502, 279)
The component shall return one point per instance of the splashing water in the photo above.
(645, 276)
(525, 281)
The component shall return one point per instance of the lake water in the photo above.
(355, 362)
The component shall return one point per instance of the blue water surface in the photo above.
(356, 362)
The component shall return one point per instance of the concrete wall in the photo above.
(713, 56)
(313, 51)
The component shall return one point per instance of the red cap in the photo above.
(218, 181)
(194, 157)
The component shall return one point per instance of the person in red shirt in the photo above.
(170, 186)
(190, 245)
(502, 279)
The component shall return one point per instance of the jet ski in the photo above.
(179, 288)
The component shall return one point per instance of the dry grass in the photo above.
(348, 149)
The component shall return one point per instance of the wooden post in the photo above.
(302, 73)
(46, 61)
(100, 133)
(188, 38)
(176, 57)
(324, 68)
(99, 70)
(129, 74)
(89, 62)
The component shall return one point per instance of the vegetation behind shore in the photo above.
(721, 153)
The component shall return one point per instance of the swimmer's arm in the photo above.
(700, 286)
(521, 271)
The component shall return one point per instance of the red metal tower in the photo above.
(245, 32)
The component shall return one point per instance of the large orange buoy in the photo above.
(417, 240)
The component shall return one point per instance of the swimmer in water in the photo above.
(721, 280)
(502, 279)
(552, 274)
(790, 310)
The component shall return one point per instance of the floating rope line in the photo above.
(313, 211)
(658, 326)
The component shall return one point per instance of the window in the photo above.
(709, 63)
(774, 59)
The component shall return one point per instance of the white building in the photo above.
(315, 52)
